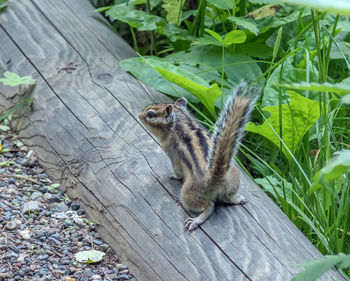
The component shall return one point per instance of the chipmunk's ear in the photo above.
(181, 102)
(168, 110)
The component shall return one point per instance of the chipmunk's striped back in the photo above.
(229, 130)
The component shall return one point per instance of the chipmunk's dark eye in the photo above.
(151, 114)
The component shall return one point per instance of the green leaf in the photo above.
(276, 187)
(222, 4)
(92, 256)
(208, 40)
(174, 33)
(335, 6)
(339, 165)
(247, 23)
(277, 43)
(234, 37)
(256, 49)
(338, 88)
(290, 76)
(4, 128)
(135, 18)
(173, 9)
(145, 73)
(296, 120)
(215, 35)
(12, 79)
(346, 99)
(203, 61)
(273, 16)
(206, 95)
(269, 10)
(55, 185)
(314, 269)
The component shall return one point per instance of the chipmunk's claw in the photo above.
(191, 224)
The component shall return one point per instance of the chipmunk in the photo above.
(203, 162)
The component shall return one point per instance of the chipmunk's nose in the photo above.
(141, 115)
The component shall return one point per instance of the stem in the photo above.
(201, 27)
(134, 39)
(21, 177)
(242, 5)
(153, 40)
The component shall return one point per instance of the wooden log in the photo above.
(84, 128)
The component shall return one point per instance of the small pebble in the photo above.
(42, 229)
(75, 207)
(11, 225)
(30, 206)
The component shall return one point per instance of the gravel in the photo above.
(41, 229)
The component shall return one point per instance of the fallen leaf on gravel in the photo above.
(89, 256)
(70, 279)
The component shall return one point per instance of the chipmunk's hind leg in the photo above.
(193, 223)
(233, 198)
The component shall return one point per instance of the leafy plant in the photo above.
(12, 79)
(298, 141)
(314, 269)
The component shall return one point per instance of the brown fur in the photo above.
(186, 143)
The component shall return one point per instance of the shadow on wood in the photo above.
(85, 131)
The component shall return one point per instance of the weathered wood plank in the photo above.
(88, 135)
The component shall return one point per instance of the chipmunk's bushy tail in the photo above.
(229, 130)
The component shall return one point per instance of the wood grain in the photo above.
(85, 131)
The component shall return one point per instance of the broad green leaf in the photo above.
(316, 268)
(247, 23)
(238, 67)
(135, 18)
(173, 9)
(12, 79)
(215, 35)
(290, 75)
(296, 121)
(55, 185)
(338, 88)
(222, 4)
(335, 6)
(206, 95)
(145, 73)
(92, 256)
(201, 61)
(234, 37)
(207, 40)
(256, 49)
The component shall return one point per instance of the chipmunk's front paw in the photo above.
(191, 224)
